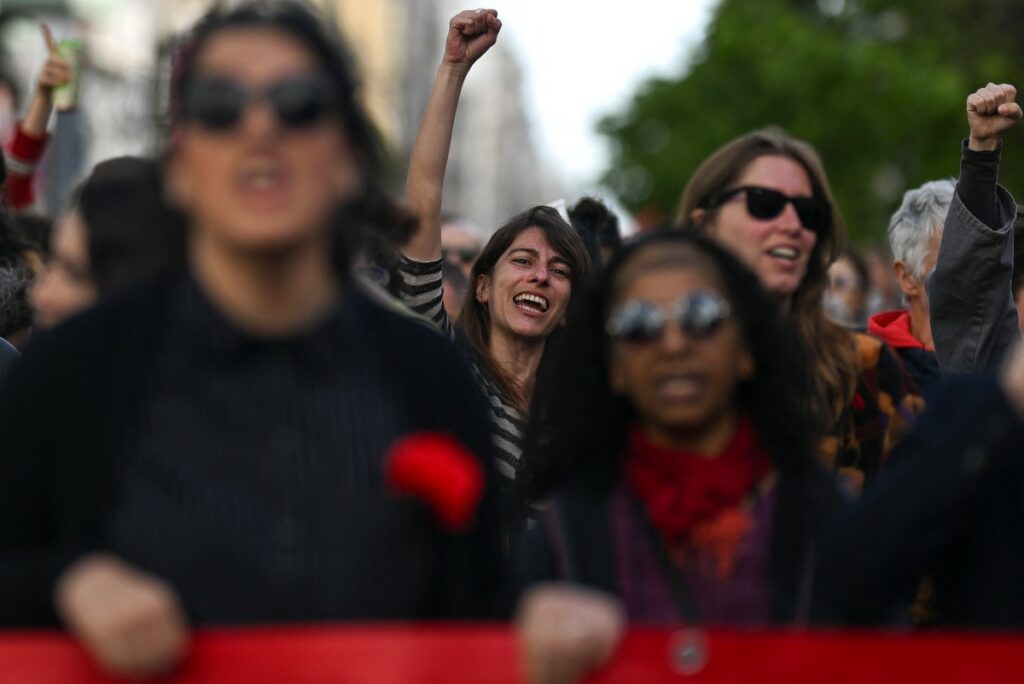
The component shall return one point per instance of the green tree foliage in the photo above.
(879, 87)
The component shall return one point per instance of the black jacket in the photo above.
(950, 505)
(573, 542)
(69, 406)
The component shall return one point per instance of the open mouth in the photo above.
(786, 253)
(680, 387)
(265, 181)
(531, 303)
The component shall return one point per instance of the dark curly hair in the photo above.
(579, 427)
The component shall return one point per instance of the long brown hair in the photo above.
(834, 361)
(475, 318)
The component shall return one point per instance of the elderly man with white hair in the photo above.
(915, 232)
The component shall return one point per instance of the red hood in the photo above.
(893, 328)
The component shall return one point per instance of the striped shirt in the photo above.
(421, 290)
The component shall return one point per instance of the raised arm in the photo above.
(972, 312)
(30, 139)
(470, 34)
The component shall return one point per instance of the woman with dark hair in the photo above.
(219, 451)
(766, 198)
(118, 233)
(522, 280)
(684, 480)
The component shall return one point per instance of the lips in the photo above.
(531, 303)
(679, 387)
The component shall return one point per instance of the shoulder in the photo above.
(102, 333)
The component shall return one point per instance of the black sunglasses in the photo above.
(218, 103)
(698, 315)
(765, 204)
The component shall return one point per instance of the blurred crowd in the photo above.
(240, 383)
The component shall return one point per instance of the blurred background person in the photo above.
(765, 196)
(118, 233)
(460, 245)
(846, 299)
(599, 228)
(883, 289)
(220, 447)
(915, 232)
(455, 286)
(684, 478)
(29, 137)
(18, 268)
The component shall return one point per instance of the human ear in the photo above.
(483, 289)
(905, 277)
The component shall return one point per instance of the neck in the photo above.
(267, 294)
(518, 359)
(920, 322)
(708, 440)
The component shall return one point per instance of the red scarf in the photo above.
(685, 493)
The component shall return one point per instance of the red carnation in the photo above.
(436, 468)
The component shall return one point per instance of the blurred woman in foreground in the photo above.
(687, 486)
(218, 454)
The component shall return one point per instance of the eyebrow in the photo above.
(535, 253)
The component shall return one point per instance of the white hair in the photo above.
(921, 215)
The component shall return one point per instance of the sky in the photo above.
(584, 59)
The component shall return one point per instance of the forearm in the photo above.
(425, 183)
(979, 174)
(38, 115)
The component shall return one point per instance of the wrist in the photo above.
(454, 70)
(983, 144)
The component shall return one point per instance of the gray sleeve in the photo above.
(421, 289)
(973, 317)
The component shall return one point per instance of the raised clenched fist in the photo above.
(471, 33)
(991, 111)
(129, 621)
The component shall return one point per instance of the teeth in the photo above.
(261, 179)
(533, 299)
(679, 385)
(784, 252)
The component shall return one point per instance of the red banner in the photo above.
(459, 654)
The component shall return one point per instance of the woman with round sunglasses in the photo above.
(219, 452)
(766, 198)
(685, 488)
(522, 280)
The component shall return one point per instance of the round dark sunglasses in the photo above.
(218, 103)
(766, 204)
(698, 315)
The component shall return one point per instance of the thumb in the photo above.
(1011, 110)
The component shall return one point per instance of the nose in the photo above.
(789, 220)
(673, 340)
(258, 118)
(540, 274)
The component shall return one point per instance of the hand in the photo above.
(566, 632)
(129, 621)
(991, 111)
(470, 34)
(55, 71)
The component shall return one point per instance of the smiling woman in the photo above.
(765, 196)
(523, 279)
